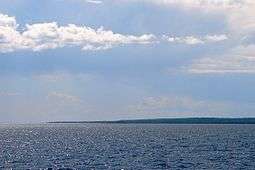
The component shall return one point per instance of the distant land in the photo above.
(173, 121)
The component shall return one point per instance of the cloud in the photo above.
(238, 60)
(6, 21)
(191, 40)
(41, 36)
(240, 18)
(240, 21)
(215, 38)
(239, 13)
(94, 1)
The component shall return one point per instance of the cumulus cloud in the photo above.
(43, 36)
(238, 60)
(6, 21)
(192, 40)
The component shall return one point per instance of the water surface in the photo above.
(130, 146)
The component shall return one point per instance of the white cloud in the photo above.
(6, 21)
(238, 60)
(43, 36)
(94, 1)
(215, 38)
(192, 40)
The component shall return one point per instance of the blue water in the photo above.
(115, 146)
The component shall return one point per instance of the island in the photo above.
(172, 121)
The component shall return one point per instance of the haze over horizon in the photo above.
(70, 60)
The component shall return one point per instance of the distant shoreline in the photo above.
(172, 121)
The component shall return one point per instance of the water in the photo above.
(115, 146)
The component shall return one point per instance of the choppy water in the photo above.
(99, 146)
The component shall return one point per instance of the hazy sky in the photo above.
(119, 59)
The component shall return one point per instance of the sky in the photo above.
(126, 59)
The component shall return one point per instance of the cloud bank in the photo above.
(42, 36)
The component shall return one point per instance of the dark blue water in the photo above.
(99, 146)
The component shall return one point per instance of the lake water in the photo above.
(130, 146)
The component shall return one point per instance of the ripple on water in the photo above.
(101, 146)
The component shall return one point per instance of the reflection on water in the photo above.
(134, 146)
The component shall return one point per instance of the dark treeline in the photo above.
(174, 121)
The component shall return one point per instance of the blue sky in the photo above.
(112, 59)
